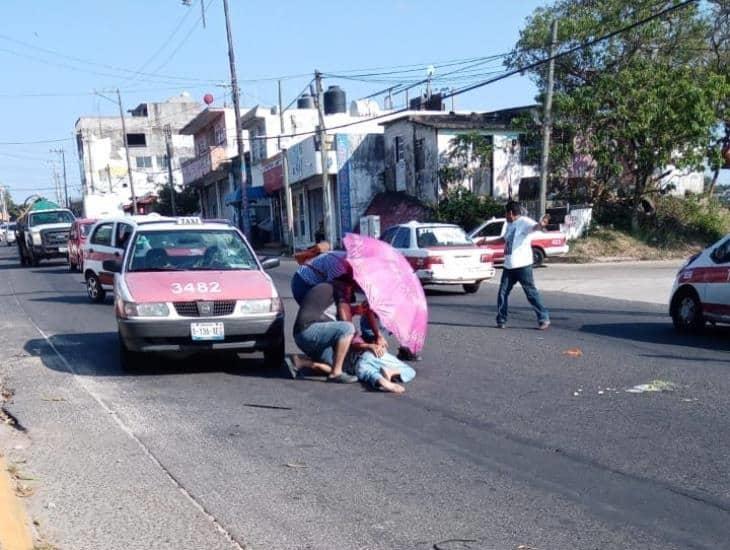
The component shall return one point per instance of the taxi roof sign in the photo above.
(190, 220)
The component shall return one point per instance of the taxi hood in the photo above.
(187, 286)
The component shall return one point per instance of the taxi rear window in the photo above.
(190, 250)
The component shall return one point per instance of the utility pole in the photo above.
(238, 177)
(62, 152)
(329, 229)
(109, 178)
(89, 135)
(168, 143)
(126, 150)
(547, 120)
(285, 175)
(4, 197)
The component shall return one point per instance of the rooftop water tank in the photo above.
(306, 101)
(335, 101)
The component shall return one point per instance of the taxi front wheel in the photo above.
(274, 356)
(687, 312)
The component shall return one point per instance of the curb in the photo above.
(14, 526)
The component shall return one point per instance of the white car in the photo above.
(441, 254)
(10, 234)
(701, 290)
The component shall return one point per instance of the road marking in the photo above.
(83, 383)
(14, 530)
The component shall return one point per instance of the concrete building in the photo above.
(102, 160)
(209, 170)
(417, 145)
(355, 164)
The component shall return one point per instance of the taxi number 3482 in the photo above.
(192, 288)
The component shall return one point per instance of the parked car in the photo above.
(441, 254)
(701, 290)
(76, 240)
(42, 232)
(108, 240)
(545, 244)
(185, 286)
(10, 234)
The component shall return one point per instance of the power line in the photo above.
(36, 142)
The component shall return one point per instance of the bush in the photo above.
(462, 207)
(678, 220)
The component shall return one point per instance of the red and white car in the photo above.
(701, 290)
(545, 244)
(441, 254)
(80, 230)
(185, 286)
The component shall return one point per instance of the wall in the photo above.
(402, 176)
(360, 175)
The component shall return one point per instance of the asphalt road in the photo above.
(502, 439)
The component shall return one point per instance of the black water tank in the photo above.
(335, 100)
(306, 101)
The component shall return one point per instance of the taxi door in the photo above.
(716, 298)
(100, 249)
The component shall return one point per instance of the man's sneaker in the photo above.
(342, 378)
(501, 325)
(543, 325)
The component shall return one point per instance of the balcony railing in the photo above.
(203, 164)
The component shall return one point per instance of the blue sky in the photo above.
(102, 39)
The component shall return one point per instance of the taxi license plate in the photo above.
(207, 331)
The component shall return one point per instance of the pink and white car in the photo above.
(184, 286)
(441, 254)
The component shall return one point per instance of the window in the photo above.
(491, 230)
(190, 249)
(124, 231)
(389, 234)
(144, 162)
(220, 134)
(85, 228)
(42, 218)
(721, 254)
(402, 238)
(136, 140)
(446, 235)
(399, 152)
(103, 235)
(162, 161)
(420, 154)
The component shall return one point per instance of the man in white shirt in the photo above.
(518, 264)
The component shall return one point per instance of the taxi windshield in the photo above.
(190, 250)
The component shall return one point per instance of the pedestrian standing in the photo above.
(518, 264)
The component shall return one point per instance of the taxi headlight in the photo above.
(152, 309)
(252, 307)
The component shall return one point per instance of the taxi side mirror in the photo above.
(270, 263)
(112, 266)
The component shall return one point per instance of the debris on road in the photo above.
(295, 465)
(273, 407)
(653, 386)
(573, 352)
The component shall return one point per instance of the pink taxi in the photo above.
(186, 286)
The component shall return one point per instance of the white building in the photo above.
(102, 159)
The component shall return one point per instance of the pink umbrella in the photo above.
(391, 287)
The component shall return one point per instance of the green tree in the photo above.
(186, 201)
(642, 100)
(468, 159)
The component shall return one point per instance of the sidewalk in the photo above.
(78, 452)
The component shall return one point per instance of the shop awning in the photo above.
(255, 193)
(233, 197)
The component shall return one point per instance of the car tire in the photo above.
(538, 257)
(274, 355)
(94, 290)
(471, 288)
(687, 311)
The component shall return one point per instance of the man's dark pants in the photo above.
(522, 275)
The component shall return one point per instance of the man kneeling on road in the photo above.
(518, 265)
(324, 341)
